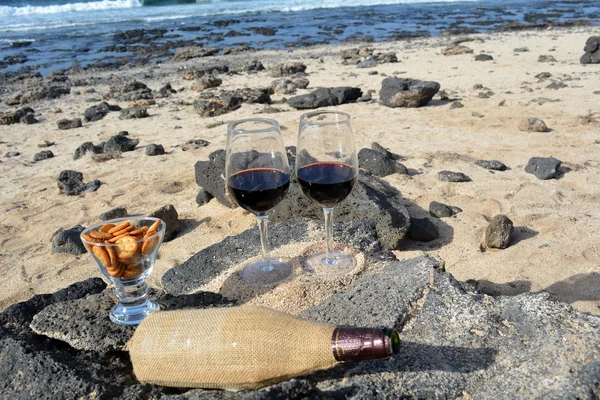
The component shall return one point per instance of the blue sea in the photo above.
(68, 33)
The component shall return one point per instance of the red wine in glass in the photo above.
(259, 190)
(327, 183)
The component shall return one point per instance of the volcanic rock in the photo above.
(134, 112)
(324, 97)
(96, 113)
(117, 212)
(65, 124)
(498, 232)
(449, 176)
(532, 125)
(87, 147)
(441, 210)
(396, 92)
(483, 57)
(71, 183)
(68, 241)
(169, 215)
(288, 86)
(44, 93)
(378, 163)
(207, 82)
(491, 164)
(120, 143)
(287, 69)
(43, 155)
(592, 51)
(203, 197)
(187, 53)
(546, 58)
(456, 50)
(155, 149)
(543, 168)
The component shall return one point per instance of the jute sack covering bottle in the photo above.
(245, 347)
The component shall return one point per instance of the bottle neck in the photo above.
(359, 344)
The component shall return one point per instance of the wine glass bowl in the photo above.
(125, 249)
(258, 178)
(327, 171)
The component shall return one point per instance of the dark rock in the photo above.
(441, 210)
(396, 92)
(194, 144)
(202, 267)
(87, 147)
(521, 49)
(324, 97)
(546, 58)
(46, 144)
(209, 176)
(28, 119)
(456, 104)
(96, 113)
(449, 176)
(263, 31)
(367, 63)
(376, 162)
(498, 232)
(287, 69)
(134, 112)
(556, 85)
(155, 149)
(120, 143)
(23, 112)
(543, 75)
(212, 105)
(483, 57)
(203, 197)
(491, 164)
(543, 168)
(11, 154)
(7, 119)
(592, 51)
(65, 124)
(532, 125)
(117, 212)
(43, 155)
(44, 93)
(169, 215)
(192, 74)
(377, 147)
(476, 114)
(68, 241)
(207, 82)
(422, 230)
(131, 91)
(166, 91)
(71, 183)
(187, 53)
(253, 65)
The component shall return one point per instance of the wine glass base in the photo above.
(266, 271)
(339, 263)
(132, 315)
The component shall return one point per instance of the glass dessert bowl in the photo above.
(125, 250)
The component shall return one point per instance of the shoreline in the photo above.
(552, 251)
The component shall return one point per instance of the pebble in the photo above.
(43, 155)
(532, 125)
(491, 164)
(155, 149)
(441, 210)
(117, 212)
(65, 124)
(203, 197)
(543, 168)
(498, 232)
(449, 176)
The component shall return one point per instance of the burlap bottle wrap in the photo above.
(228, 348)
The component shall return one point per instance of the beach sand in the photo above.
(556, 244)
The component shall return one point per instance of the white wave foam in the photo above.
(6, 11)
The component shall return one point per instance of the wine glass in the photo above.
(258, 178)
(126, 250)
(327, 170)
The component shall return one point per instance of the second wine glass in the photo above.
(258, 178)
(327, 170)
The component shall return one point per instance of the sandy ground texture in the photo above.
(556, 246)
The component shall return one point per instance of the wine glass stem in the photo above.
(263, 221)
(328, 211)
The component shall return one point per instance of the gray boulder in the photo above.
(71, 183)
(377, 147)
(287, 69)
(449, 176)
(209, 175)
(169, 215)
(441, 210)
(96, 113)
(378, 163)
(155, 149)
(592, 51)
(68, 241)
(87, 147)
(543, 168)
(483, 57)
(134, 112)
(65, 124)
(532, 125)
(43, 155)
(498, 232)
(117, 212)
(491, 164)
(396, 92)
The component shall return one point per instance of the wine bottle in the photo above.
(245, 347)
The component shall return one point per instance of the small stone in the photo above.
(203, 197)
(498, 232)
(287, 69)
(556, 85)
(169, 215)
(376, 163)
(207, 82)
(29, 119)
(120, 143)
(440, 210)
(134, 112)
(71, 183)
(46, 144)
(396, 92)
(483, 57)
(65, 124)
(532, 125)
(11, 154)
(521, 50)
(87, 147)
(456, 50)
(194, 144)
(456, 104)
(543, 168)
(68, 241)
(546, 58)
(117, 212)
(43, 155)
(155, 149)
(449, 176)
(491, 164)
(476, 114)
(367, 63)
(422, 230)
(543, 75)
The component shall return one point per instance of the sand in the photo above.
(557, 238)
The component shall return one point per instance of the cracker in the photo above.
(102, 255)
(101, 235)
(114, 261)
(106, 227)
(123, 231)
(132, 271)
(127, 247)
(119, 227)
(153, 228)
(140, 231)
(149, 245)
(116, 271)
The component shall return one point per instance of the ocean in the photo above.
(46, 35)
